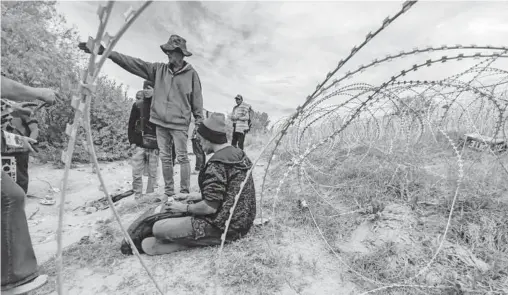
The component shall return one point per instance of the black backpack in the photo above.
(147, 128)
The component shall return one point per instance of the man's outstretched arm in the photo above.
(135, 66)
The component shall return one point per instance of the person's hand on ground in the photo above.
(83, 47)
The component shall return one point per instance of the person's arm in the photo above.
(234, 118)
(245, 116)
(197, 99)
(202, 208)
(34, 129)
(132, 123)
(214, 190)
(14, 143)
(16, 91)
(135, 66)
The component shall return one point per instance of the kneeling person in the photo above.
(219, 183)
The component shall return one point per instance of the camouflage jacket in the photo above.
(219, 183)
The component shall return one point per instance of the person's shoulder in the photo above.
(137, 104)
(191, 69)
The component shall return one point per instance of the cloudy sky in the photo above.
(275, 53)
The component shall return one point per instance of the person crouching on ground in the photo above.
(219, 182)
(142, 135)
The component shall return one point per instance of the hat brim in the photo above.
(167, 47)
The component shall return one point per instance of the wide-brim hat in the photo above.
(213, 128)
(175, 42)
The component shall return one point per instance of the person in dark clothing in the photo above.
(207, 212)
(199, 153)
(25, 125)
(146, 156)
(197, 149)
(177, 95)
(19, 265)
(142, 134)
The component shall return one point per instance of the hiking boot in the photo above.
(28, 286)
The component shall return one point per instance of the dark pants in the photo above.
(238, 139)
(22, 170)
(200, 154)
(19, 264)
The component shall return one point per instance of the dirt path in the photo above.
(83, 187)
(295, 262)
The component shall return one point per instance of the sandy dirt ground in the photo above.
(179, 273)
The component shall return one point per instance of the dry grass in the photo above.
(382, 215)
(414, 188)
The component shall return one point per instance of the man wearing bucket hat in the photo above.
(176, 95)
(205, 214)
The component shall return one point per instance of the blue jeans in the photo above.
(165, 139)
(19, 264)
(144, 160)
(200, 154)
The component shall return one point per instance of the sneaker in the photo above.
(138, 196)
(28, 286)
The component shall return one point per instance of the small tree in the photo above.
(260, 122)
(38, 49)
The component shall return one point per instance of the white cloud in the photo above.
(275, 53)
